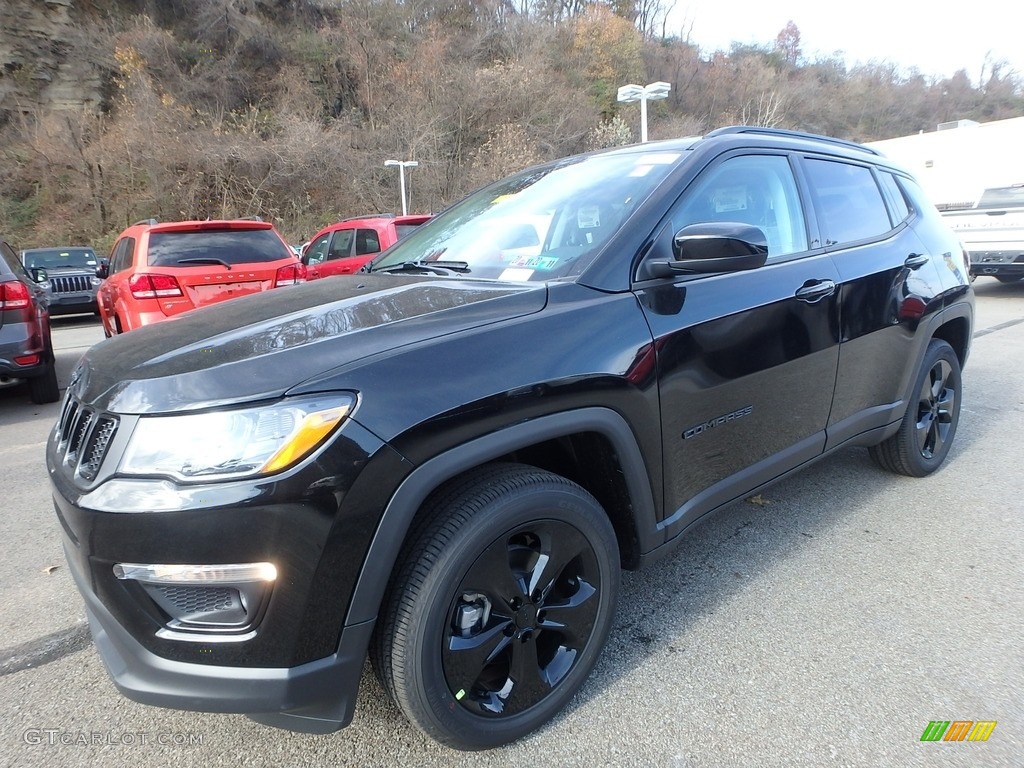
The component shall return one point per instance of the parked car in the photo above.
(992, 231)
(72, 274)
(445, 460)
(26, 349)
(160, 270)
(344, 247)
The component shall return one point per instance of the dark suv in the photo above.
(72, 274)
(445, 459)
(26, 349)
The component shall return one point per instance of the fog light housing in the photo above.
(204, 603)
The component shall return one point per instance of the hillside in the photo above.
(116, 110)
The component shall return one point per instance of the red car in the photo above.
(160, 270)
(344, 247)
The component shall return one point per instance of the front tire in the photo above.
(929, 425)
(501, 603)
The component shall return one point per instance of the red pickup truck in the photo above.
(344, 247)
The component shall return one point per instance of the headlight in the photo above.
(222, 445)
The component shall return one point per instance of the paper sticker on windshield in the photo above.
(516, 274)
(729, 199)
(660, 158)
(588, 217)
(544, 263)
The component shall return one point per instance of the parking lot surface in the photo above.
(826, 621)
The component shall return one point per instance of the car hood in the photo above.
(55, 271)
(259, 347)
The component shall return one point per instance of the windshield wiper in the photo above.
(437, 267)
(204, 260)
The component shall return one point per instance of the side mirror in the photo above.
(103, 269)
(38, 274)
(719, 246)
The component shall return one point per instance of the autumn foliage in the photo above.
(287, 108)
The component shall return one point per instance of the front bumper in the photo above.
(316, 697)
(73, 303)
(297, 665)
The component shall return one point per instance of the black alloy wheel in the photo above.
(929, 424)
(521, 617)
(937, 403)
(500, 606)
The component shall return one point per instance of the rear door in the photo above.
(888, 284)
(113, 292)
(746, 360)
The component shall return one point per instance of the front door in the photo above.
(746, 360)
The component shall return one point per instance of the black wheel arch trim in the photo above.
(422, 481)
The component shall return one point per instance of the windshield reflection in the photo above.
(544, 223)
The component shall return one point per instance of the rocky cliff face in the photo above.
(41, 67)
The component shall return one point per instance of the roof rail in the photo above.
(148, 222)
(792, 135)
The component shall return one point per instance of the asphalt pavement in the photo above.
(825, 622)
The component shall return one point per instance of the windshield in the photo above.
(57, 258)
(541, 224)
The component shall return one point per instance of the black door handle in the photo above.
(814, 291)
(916, 260)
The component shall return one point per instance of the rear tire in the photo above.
(929, 424)
(499, 608)
(44, 388)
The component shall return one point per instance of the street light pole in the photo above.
(643, 94)
(402, 165)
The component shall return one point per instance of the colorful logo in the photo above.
(958, 730)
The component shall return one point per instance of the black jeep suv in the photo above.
(445, 460)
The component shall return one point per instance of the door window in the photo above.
(122, 257)
(850, 204)
(750, 189)
(367, 242)
(317, 250)
(341, 244)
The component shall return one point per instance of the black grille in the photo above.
(84, 438)
(99, 441)
(67, 418)
(78, 433)
(70, 284)
(193, 600)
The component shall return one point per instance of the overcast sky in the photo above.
(937, 37)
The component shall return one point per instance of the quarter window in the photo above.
(850, 204)
(750, 189)
(900, 209)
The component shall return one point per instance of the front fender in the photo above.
(424, 479)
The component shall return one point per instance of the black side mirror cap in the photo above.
(103, 269)
(719, 246)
